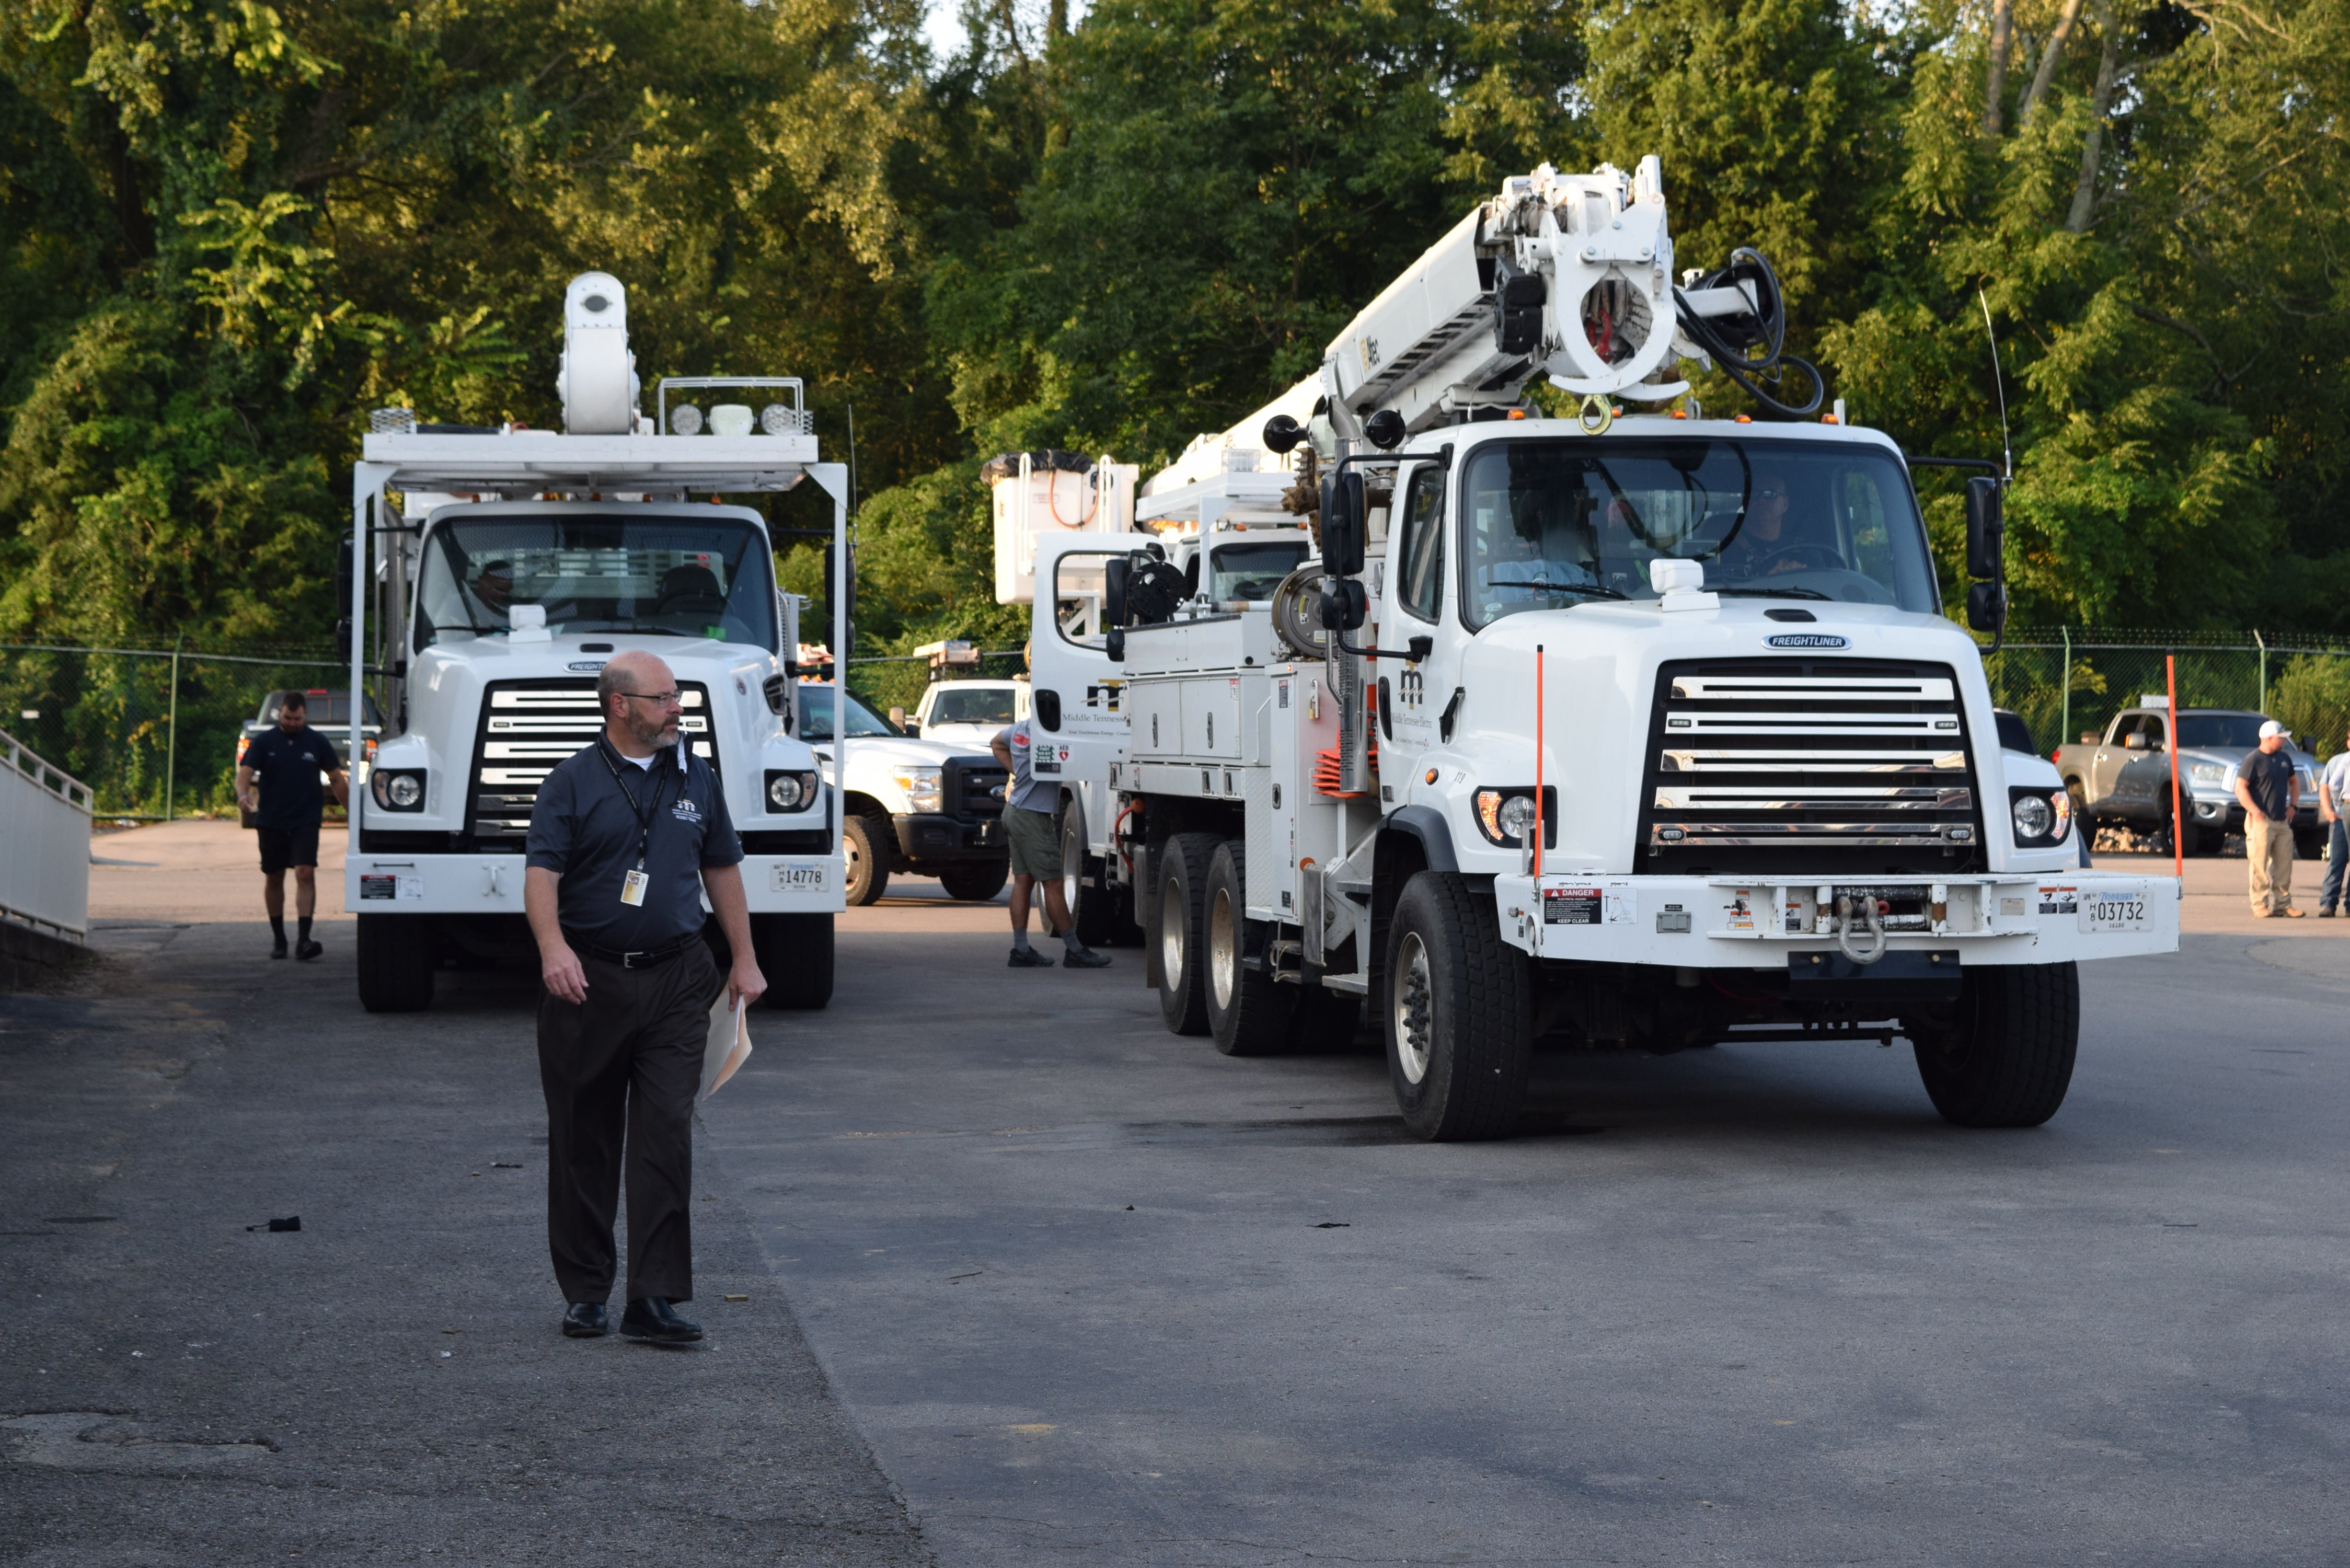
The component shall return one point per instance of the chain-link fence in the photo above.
(153, 731)
(2070, 681)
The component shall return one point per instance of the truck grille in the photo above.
(1779, 765)
(971, 788)
(527, 727)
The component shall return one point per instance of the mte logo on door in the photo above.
(1807, 639)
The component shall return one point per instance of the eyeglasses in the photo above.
(1768, 493)
(672, 697)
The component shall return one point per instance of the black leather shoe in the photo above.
(586, 1320)
(652, 1320)
(306, 951)
(277, 949)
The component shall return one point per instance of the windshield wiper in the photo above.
(1593, 589)
(1771, 593)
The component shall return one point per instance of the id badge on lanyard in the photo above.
(634, 883)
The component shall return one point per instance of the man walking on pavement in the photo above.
(627, 835)
(286, 763)
(1028, 805)
(2269, 793)
(2332, 795)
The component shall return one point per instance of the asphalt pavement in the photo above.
(1033, 1280)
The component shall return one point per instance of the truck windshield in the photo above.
(1252, 571)
(815, 716)
(1546, 523)
(971, 705)
(2222, 732)
(674, 576)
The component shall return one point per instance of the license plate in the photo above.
(804, 878)
(2113, 912)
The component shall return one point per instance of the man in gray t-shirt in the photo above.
(1029, 803)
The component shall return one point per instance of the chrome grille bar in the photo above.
(529, 727)
(1759, 753)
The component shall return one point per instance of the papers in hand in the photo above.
(728, 1047)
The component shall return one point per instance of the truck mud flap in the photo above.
(1900, 976)
(1146, 894)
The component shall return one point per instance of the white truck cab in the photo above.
(504, 567)
(969, 713)
(1634, 730)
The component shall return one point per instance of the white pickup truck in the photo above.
(914, 805)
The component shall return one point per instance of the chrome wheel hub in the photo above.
(1414, 1021)
(1223, 950)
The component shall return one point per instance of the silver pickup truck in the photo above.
(2124, 776)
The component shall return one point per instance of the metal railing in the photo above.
(43, 842)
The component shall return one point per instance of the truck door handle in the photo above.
(1444, 720)
(1387, 704)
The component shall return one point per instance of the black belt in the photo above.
(645, 958)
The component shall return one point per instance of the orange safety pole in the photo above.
(1538, 768)
(2178, 828)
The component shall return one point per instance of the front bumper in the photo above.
(1716, 923)
(404, 884)
(929, 840)
(2227, 813)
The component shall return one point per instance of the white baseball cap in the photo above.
(2271, 727)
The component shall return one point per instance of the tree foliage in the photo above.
(231, 227)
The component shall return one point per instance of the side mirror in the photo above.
(898, 718)
(1986, 532)
(1344, 604)
(2134, 742)
(344, 572)
(1115, 645)
(1987, 606)
(1048, 708)
(1342, 524)
(1114, 573)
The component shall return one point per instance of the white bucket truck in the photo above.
(1623, 731)
(504, 567)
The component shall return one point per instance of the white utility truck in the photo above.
(502, 569)
(1622, 731)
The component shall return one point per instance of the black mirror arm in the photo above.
(1415, 651)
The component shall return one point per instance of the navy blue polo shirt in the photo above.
(587, 826)
(286, 768)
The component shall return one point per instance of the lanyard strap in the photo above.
(644, 816)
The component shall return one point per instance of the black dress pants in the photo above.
(620, 1072)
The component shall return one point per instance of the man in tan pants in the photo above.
(2269, 793)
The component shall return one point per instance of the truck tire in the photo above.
(1249, 1012)
(1182, 906)
(1458, 1032)
(2006, 1058)
(866, 842)
(975, 884)
(397, 957)
(1083, 887)
(795, 952)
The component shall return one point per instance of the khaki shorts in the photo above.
(1036, 847)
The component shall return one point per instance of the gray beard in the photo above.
(646, 732)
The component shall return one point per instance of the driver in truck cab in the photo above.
(1764, 547)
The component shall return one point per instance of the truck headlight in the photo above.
(2213, 773)
(789, 791)
(2040, 818)
(398, 789)
(922, 788)
(1505, 815)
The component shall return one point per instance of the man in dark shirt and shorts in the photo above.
(1028, 831)
(625, 838)
(286, 763)
(2270, 793)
